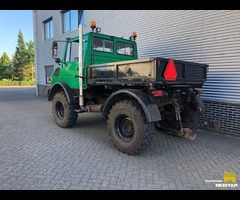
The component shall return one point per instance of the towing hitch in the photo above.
(184, 132)
(187, 133)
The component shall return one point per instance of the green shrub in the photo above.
(16, 83)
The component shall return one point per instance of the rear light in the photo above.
(170, 73)
(158, 93)
(199, 91)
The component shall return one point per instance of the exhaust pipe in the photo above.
(95, 108)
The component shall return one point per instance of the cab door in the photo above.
(70, 67)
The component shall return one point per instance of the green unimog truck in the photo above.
(102, 73)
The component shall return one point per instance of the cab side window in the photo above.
(124, 48)
(101, 44)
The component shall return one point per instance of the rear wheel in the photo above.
(63, 112)
(128, 128)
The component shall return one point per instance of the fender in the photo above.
(58, 87)
(150, 110)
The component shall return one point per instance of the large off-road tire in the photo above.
(128, 128)
(63, 113)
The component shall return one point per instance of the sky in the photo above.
(10, 23)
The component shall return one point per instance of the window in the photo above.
(101, 44)
(70, 20)
(72, 52)
(68, 53)
(125, 48)
(48, 71)
(48, 28)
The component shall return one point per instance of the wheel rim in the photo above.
(124, 127)
(60, 110)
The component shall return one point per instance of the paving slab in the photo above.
(36, 154)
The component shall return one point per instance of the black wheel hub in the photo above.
(124, 127)
(60, 110)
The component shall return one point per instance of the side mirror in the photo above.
(58, 60)
(54, 49)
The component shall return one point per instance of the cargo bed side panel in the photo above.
(146, 71)
(141, 70)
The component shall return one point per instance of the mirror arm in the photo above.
(58, 61)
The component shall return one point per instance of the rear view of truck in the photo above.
(175, 86)
(134, 95)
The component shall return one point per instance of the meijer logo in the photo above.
(229, 180)
(230, 176)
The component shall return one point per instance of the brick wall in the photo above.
(227, 115)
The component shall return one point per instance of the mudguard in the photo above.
(151, 110)
(57, 87)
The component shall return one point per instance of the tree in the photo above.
(19, 57)
(5, 67)
(30, 51)
(23, 59)
(28, 68)
(5, 60)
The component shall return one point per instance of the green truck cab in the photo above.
(97, 49)
(102, 73)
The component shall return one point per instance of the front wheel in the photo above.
(128, 128)
(63, 112)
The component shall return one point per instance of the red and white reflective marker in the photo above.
(170, 73)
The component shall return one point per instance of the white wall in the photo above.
(205, 36)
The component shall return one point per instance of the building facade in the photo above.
(204, 36)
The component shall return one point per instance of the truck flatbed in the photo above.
(145, 72)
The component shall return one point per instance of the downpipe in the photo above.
(207, 123)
